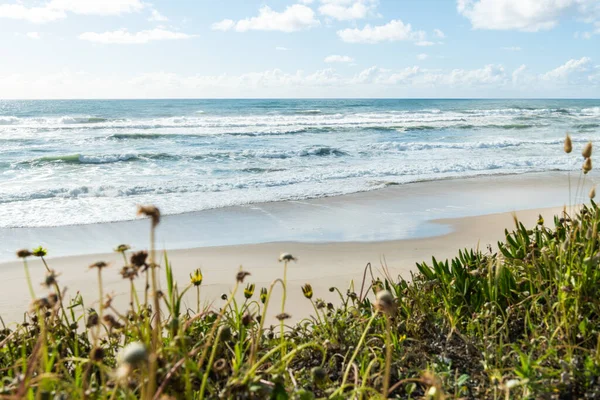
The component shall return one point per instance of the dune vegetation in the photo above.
(520, 320)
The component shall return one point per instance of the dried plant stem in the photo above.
(157, 324)
(100, 306)
(388, 357)
(283, 298)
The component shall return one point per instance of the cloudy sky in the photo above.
(299, 48)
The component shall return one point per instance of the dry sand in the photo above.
(322, 264)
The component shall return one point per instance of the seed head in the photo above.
(241, 276)
(53, 299)
(24, 253)
(593, 193)
(129, 272)
(307, 291)
(41, 303)
(540, 220)
(139, 259)
(318, 374)
(39, 251)
(247, 319)
(92, 318)
(196, 277)
(99, 265)
(225, 332)
(587, 150)
(134, 354)
(50, 279)
(568, 144)
(97, 354)
(263, 295)
(122, 248)
(587, 165)
(283, 316)
(384, 301)
(111, 322)
(286, 257)
(249, 291)
(151, 212)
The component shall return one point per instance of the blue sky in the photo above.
(299, 48)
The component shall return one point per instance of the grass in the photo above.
(522, 322)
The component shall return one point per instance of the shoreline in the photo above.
(392, 213)
(323, 265)
(387, 186)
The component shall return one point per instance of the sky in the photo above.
(299, 48)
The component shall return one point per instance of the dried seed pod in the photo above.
(385, 301)
(587, 150)
(568, 144)
(152, 212)
(587, 165)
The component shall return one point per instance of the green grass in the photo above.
(520, 323)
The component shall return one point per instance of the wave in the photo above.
(83, 159)
(84, 120)
(495, 144)
(592, 110)
(312, 151)
(301, 121)
(9, 120)
(309, 112)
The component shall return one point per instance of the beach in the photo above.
(333, 239)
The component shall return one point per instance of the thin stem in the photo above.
(198, 299)
(28, 278)
(283, 298)
(211, 360)
(388, 357)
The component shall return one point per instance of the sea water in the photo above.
(86, 161)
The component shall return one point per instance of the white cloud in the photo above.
(338, 59)
(519, 74)
(347, 10)
(122, 36)
(224, 25)
(402, 76)
(393, 31)
(306, 1)
(422, 56)
(424, 43)
(58, 9)
(281, 48)
(36, 15)
(294, 18)
(567, 69)
(33, 35)
(512, 48)
(576, 78)
(523, 15)
(157, 17)
(96, 7)
(438, 33)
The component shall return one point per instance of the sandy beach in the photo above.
(439, 230)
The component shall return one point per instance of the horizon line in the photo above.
(295, 98)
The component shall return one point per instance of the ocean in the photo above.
(73, 162)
